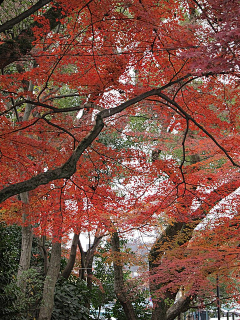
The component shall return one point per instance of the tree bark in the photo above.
(87, 257)
(168, 238)
(159, 311)
(44, 253)
(119, 286)
(68, 269)
(50, 282)
(181, 305)
(27, 233)
(14, 49)
(26, 246)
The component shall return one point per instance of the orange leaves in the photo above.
(110, 53)
(42, 27)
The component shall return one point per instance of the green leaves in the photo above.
(70, 300)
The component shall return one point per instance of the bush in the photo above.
(70, 300)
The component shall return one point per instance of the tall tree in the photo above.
(96, 67)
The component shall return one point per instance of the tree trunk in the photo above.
(50, 282)
(27, 233)
(44, 252)
(17, 48)
(174, 235)
(119, 286)
(181, 305)
(26, 246)
(83, 253)
(68, 269)
(159, 311)
(87, 257)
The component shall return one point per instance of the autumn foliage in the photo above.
(123, 115)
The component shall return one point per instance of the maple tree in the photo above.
(115, 114)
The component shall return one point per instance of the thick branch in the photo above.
(154, 92)
(69, 168)
(68, 269)
(83, 255)
(180, 306)
(91, 251)
(9, 24)
(21, 45)
(14, 49)
(63, 172)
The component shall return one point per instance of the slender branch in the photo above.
(21, 128)
(187, 116)
(204, 12)
(184, 150)
(62, 129)
(63, 96)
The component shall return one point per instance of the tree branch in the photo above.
(179, 306)
(10, 23)
(19, 46)
(63, 172)
(187, 116)
(12, 50)
(68, 269)
(69, 168)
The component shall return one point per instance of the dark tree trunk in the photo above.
(44, 252)
(174, 235)
(13, 50)
(87, 258)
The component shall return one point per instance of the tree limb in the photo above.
(119, 285)
(69, 168)
(10, 23)
(68, 269)
(19, 46)
(13, 49)
(181, 305)
(63, 172)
